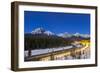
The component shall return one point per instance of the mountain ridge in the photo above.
(42, 31)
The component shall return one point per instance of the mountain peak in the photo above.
(41, 31)
(38, 31)
(77, 34)
(67, 35)
(49, 33)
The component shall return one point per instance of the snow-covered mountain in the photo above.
(85, 35)
(67, 35)
(64, 35)
(42, 31)
(38, 31)
(49, 33)
(82, 35)
(77, 34)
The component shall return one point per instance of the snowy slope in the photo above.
(48, 50)
(42, 31)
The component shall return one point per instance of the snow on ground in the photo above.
(85, 54)
(44, 51)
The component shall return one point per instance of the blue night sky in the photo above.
(57, 22)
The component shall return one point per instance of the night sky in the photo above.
(57, 22)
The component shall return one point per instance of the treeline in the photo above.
(44, 41)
